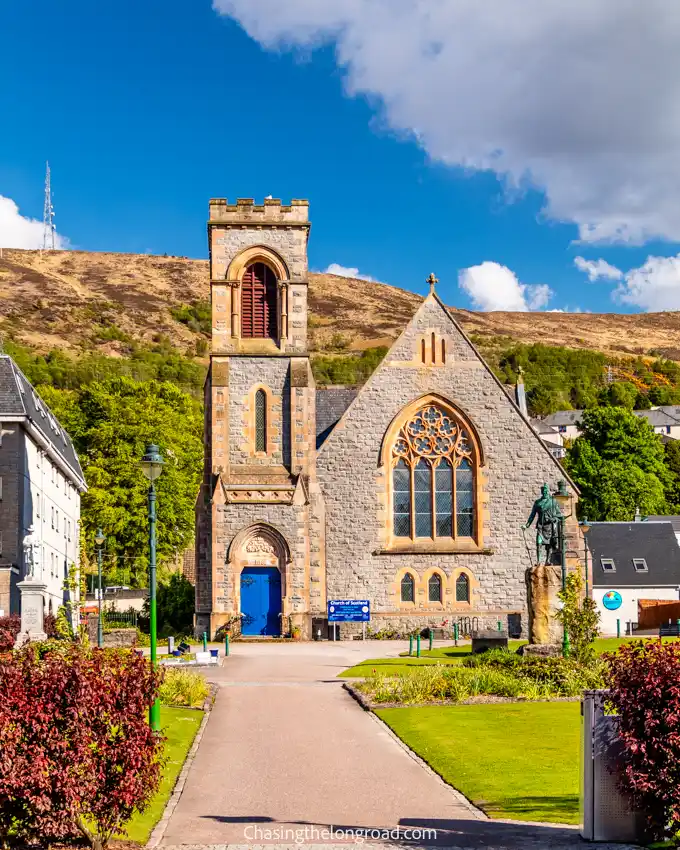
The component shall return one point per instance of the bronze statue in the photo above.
(549, 517)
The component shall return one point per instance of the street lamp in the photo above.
(99, 540)
(152, 466)
(563, 493)
(584, 525)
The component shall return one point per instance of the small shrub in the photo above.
(643, 681)
(183, 687)
(10, 627)
(580, 617)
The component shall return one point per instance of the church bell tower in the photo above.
(257, 510)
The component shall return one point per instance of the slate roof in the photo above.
(563, 417)
(623, 541)
(540, 427)
(19, 398)
(674, 520)
(657, 418)
(331, 403)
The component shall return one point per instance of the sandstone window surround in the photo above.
(433, 455)
(262, 421)
(433, 590)
(259, 282)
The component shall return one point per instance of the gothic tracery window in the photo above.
(433, 478)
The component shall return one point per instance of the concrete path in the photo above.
(288, 756)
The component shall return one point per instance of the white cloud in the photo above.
(596, 269)
(653, 286)
(578, 99)
(494, 287)
(346, 271)
(18, 231)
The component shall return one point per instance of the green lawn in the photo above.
(455, 655)
(518, 760)
(179, 727)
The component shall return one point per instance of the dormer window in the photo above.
(608, 565)
(259, 303)
(640, 565)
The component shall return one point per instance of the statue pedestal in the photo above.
(32, 612)
(543, 585)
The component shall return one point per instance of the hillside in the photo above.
(79, 301)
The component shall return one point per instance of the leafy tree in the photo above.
(618, 464)
(672, 458)
(619, 394)
(580, 617)
(111, 423)
(175, 600)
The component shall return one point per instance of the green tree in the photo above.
(672, 458)
(110, 424)
(175, 603)
(580, 617)
(618, 464)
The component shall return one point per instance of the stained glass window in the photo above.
(433, 477)
(434, 588)
(462, 588)
(260, 421)
(407, 588)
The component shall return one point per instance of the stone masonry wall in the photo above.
(244, 373)
(354, 484)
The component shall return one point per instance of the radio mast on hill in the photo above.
(48, 214)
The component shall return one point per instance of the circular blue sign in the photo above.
(612, 600)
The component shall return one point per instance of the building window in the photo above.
(259, 302)
(53, 517)
(462, 588)
(408, 588)
(562, 429)
(608, 565)
(260, 421)
(434, 588)
(69, 529)
(56, 514)
(640, 565)
(433, 478)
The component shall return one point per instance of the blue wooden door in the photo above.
(260, 601)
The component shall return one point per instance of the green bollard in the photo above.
(410, 644)
(455, 634)
(618, 628)
(226, 646)
(500, 629)
(431, 639)
(205, 641)
(418, 645)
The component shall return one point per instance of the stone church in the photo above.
(410, 492)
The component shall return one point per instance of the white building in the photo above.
(632, 561)
(41, 483)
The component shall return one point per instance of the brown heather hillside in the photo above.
(76, 300)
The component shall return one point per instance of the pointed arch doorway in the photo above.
(262, 557)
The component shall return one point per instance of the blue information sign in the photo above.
(349, 611)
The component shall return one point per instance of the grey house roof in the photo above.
(623, 541)
(674, 520)
(331, 403)
(563, 417)
(19, 398)
(671, 409)
(540, 427)
(657, 418)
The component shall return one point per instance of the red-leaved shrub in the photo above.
(644, 682)
(10, 627)
(77, 756)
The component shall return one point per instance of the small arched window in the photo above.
(434, 588)
(462, 588)
(408, 588)
(259, 306)
(433, 478)
(260, 421)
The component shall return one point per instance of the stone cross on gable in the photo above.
(432, 280)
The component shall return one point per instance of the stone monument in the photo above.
(32, 594)
(544, 580)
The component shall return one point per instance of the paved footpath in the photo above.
(287, 755)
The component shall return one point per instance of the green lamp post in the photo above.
(152, 466)
(584, 525)
(99, 540)
(563, 493)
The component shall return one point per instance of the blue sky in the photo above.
(145, 110)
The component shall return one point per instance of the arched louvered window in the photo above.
(462, 588)
(408, 593)
(434, 588)
(259, 309)
(260, 421)
(433, 478)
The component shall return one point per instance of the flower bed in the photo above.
(497, 674)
